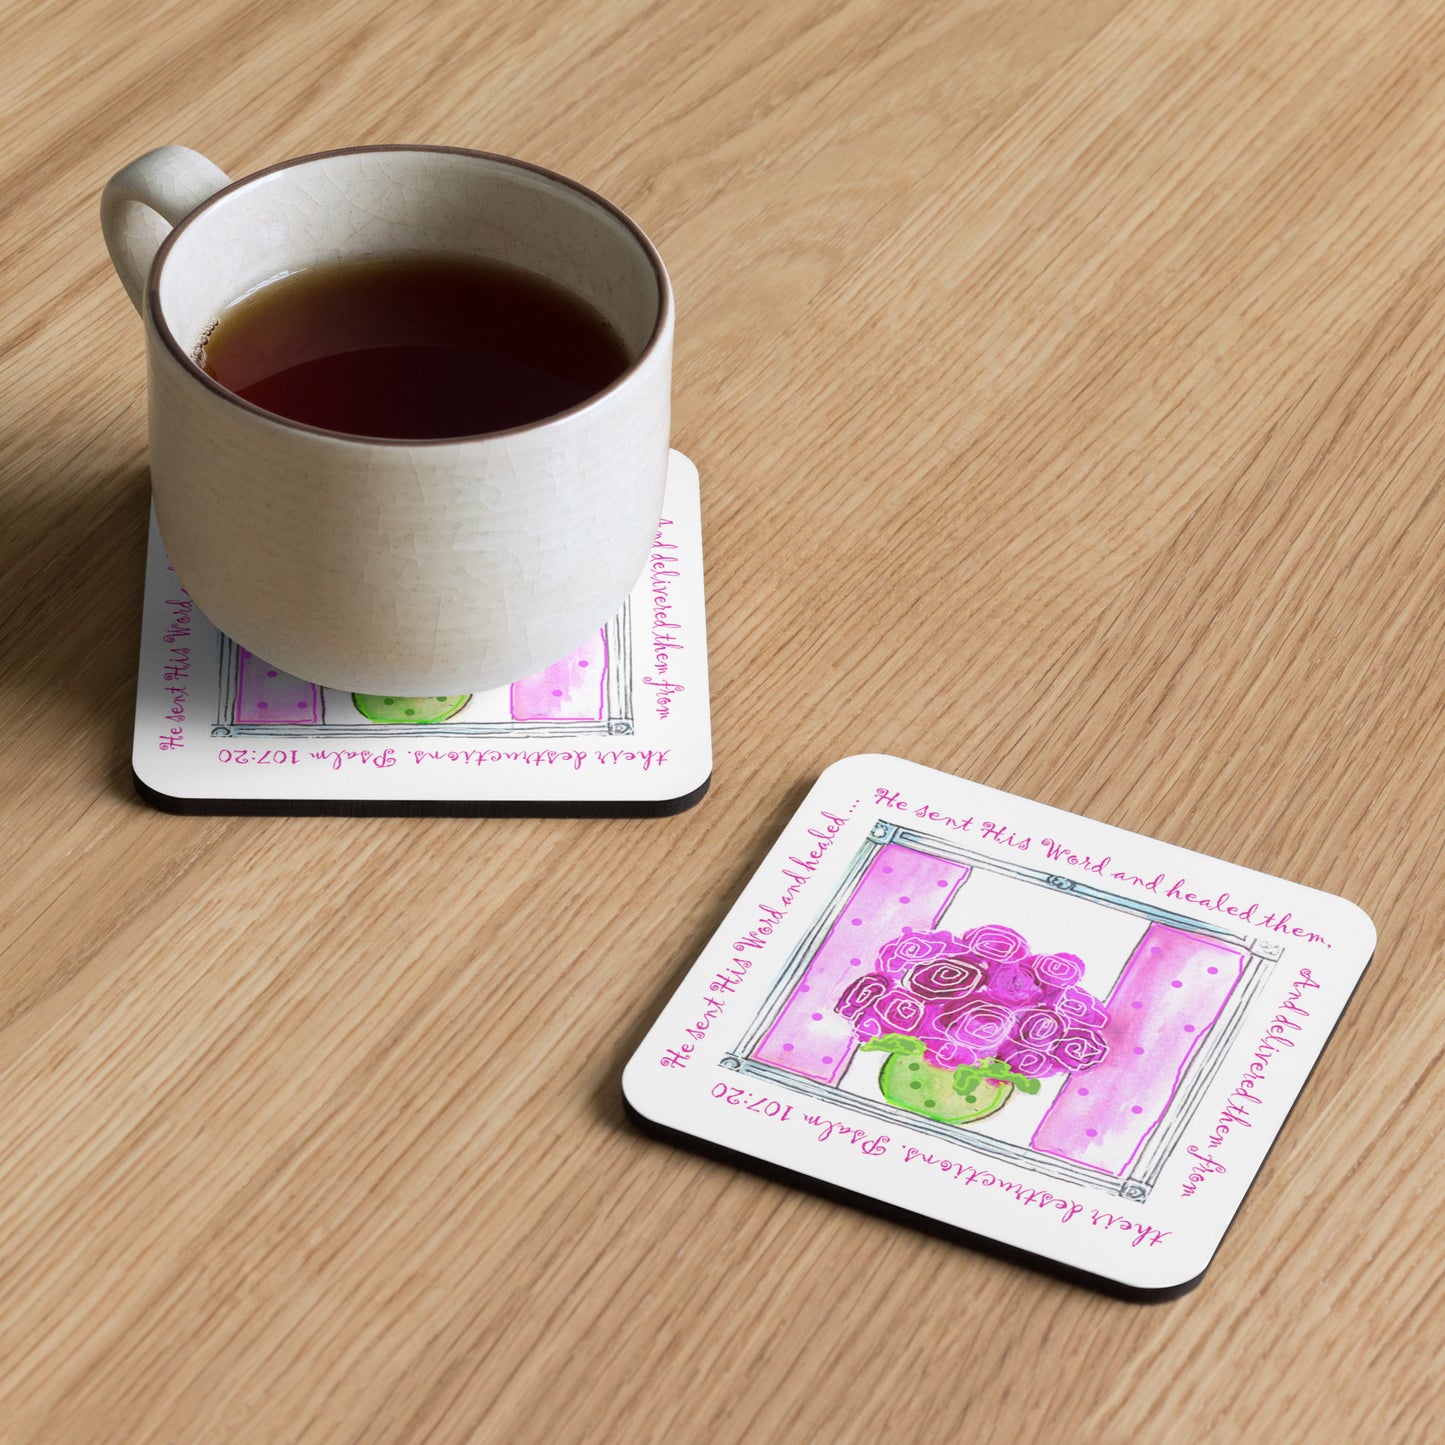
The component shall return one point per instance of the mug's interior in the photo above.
(363, 205)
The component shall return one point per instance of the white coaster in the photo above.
(1056, 1038)
(621, 727)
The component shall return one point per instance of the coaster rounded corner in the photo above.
(681, 803)
(855, 770)
(1138, 1294)
(158, 798)
(631, 1074)
(1365, 935)
(686, 467)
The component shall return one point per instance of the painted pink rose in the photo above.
(1032, 1063)
(993, 943)
(862, 993)
(1079, 1049)
(946, 1053)
(977, 1021)
(979, 996)
(1037, 1027)
(1080, 1009)
(899, 1012)
(1057, 970)
(1011, 982)
(943, 978)
(900, 954)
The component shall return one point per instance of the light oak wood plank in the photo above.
(1066, 381)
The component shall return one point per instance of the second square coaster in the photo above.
(1028, 1029)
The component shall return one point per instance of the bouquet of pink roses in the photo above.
(967, 1018)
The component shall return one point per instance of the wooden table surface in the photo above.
(1067, 379)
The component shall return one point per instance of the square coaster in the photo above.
(620, 728)
(1038, 1033)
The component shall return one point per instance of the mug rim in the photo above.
(188, 363)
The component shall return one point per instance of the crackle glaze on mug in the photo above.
(376, 565)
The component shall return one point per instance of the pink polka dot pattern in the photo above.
(870, 917)
(1171, 990)
(571, 690)
(266, 695)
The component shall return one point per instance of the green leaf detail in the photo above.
(893, 1044)
(969, 1076)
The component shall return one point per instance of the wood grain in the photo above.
(1067, 382)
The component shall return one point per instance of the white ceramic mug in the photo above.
(375, 565)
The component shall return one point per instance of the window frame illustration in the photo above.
(1257, 959)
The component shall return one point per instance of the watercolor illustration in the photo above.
(964, 1019)
(588, 692)
(1030, 1016)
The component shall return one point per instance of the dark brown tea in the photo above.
(414, 348)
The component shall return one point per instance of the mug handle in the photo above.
(141, 203)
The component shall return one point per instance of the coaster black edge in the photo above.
(426, 808)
